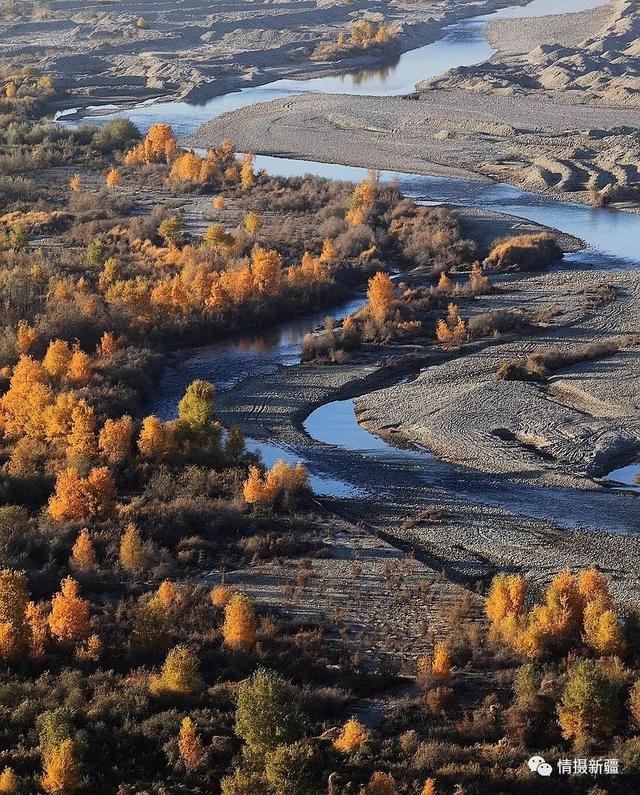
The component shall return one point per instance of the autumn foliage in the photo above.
(189, 745)
(283, 484)
(83, 556)
(239, 628)
(61, 769)
(78, 498)
(381, 295)
(180, 675)
(573, 610)
(352, 737)
(159, 146)
(69, 620)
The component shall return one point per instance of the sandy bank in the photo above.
(519, 36)
(488, 522)
(528, 141)
(577, 425)
(596, 64)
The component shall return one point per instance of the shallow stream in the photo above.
(357, 461)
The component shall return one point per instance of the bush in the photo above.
(524, 252)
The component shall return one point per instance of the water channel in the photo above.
(356, 461)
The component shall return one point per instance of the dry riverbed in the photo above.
(559, 119)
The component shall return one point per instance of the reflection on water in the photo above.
(379, 74)
(336, 424)
(228, 361)
(628, 476)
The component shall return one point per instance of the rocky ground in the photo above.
(589, 58)
(103, 53)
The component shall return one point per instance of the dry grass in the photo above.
(524, 252)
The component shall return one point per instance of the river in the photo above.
(357, 462)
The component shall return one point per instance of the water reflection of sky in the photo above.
(626, 476)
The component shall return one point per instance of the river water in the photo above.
(356, 461)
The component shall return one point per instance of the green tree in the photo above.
(18, 237)
(170, 230)
(243, 783)
(196, 407)
(268, 713)
(54, 726)
(588, 709)
(96, 252)
(292, 769)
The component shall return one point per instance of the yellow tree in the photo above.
(189, 745)
(441, 663)
(79, 371)
(239, 628)
(81, 441)
(593, 585)
(112, 180)
(14, 629)
(266, 269)
(352, 737)
(27, 398)
(26, 337)
(253, 489)
(8, 781)
(100, 493)
(381, 784)
(218, 202)
(108, 342)
(83, 556)
(381, 294)
(220, 596)
(444, 283)
(159, 146)
(68, 500)
(167, 595)
(38, 629)
(70, 619)
(62, 769)
(58, 416)
(115, 440)
(362, 202)
(252, 223)
(180, 675)
(132, 552)
(505, 606)
(602, 630)
(57, 358)
(156, 440)
(75, 183)
(247, 177)
(429, 787)
(186, 167)
(77, 498)
(329, 252)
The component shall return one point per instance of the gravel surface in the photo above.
(528, 141)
